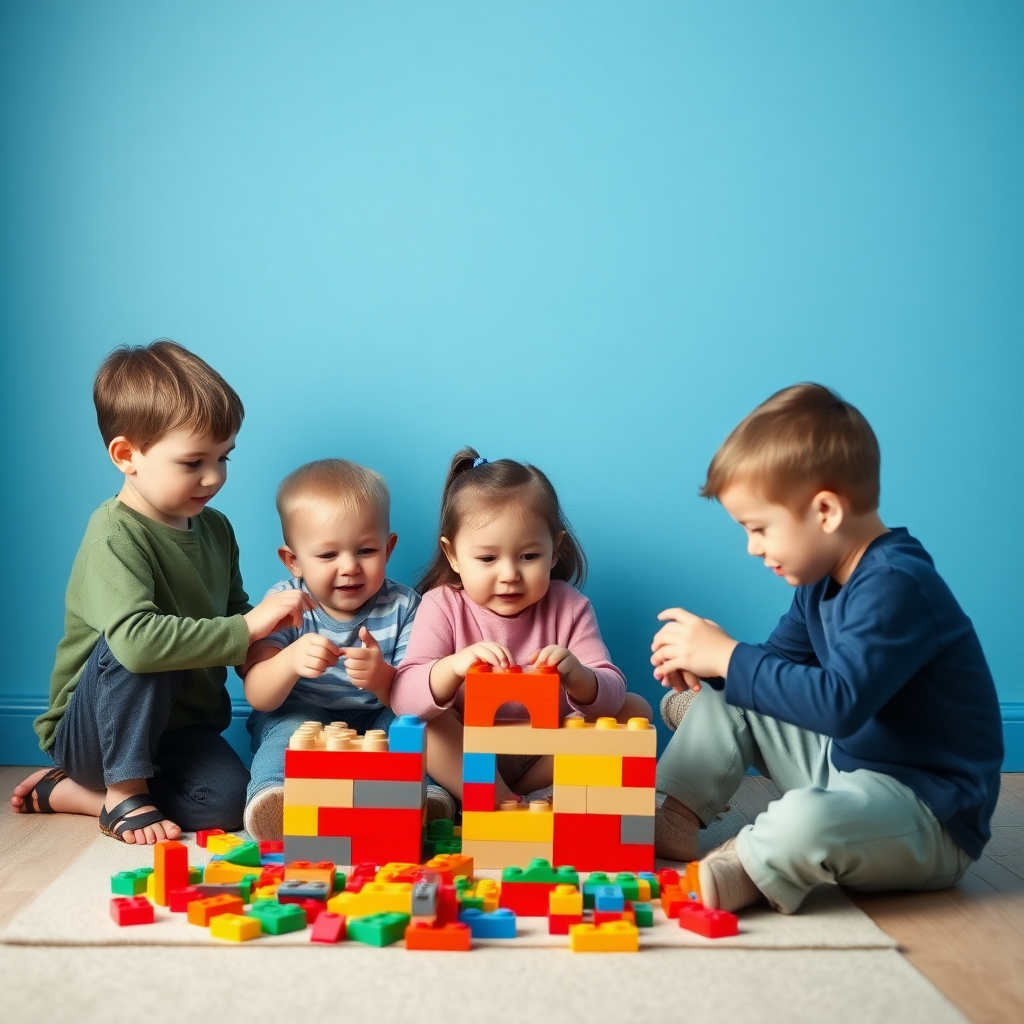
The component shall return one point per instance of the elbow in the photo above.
(847, 721)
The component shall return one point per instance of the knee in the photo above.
(218, 801)
(634, 706)
(804, 820)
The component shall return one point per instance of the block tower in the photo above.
(602, 813)
(351, 799)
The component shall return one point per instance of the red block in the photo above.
(453, 937)
(170, 869)
(478, 796)
(393, 848)
(447, 908)
(604, 916)
(327, 927)
(131, 910)
(667, 876)
(526, 899)
(590, 842)
(639, 771)
(203, 834)
(559, 924)
(353, 764)
(712, 924)
(372, 822)
(270, 874)
(181, 898)
(673, 898)
(271, 846)
(313, 909)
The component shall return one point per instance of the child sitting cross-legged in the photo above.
(870, 706)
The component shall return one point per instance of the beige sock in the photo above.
(724, 882)
(675, 835)
(264, 814)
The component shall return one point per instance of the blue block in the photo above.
(479, 767)
(499, 924)
(407, 735)
(272, 858)
(609, 897)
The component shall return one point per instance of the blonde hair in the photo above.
(802, 440)
(344, 485)
(143, 392)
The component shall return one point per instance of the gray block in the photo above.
(336, 849)
(424, 899)
(389, 795)
(637, 828)
(303, 889)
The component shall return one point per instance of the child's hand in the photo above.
(688, 643)
(284, 608)
(366, 666)
(680, 680)
(579, 681)
(564, 660)
(493, 654)
(312, 655)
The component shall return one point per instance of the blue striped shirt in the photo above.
(388, 617)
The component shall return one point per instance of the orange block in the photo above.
(486, 689)
(201, 911)
(170, 869)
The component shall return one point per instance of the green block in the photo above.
(541, 870)
(448, 846)
(471, 903)
(378, 929)
(644, 914)
(441, 828)
(278, 918)
(247, 856)
(461, 884)
(246, 887)
(130, 883)
(629, 884)
(195, 874)
(339, 881)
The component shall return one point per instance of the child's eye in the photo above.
(367, 551)
(192, 465)
(486, 559)
(224, 458)
(531, 556)
(328, 556)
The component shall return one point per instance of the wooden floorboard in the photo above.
(968, 941)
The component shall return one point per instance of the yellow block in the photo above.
(586, 738)
(517, 826)
(569, 799)
(373, 898)
(575, 770)
(620, 800)
(236, 927)
(318, 792)
(301, 821)
(565, 899)
(151, 887)
(612, 937)
(223, 844)
(222, 871)
(645, 891)
(492, 854)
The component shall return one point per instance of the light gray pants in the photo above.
(862, 829)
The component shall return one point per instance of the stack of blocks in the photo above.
(351, 799)
(602, 812)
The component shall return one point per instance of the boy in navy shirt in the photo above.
(870, 706)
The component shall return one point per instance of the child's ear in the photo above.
(390, 545)
(121, 451)
(828, 511)
(291, 563)
(449, 553)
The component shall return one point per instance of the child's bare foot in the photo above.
(64, 796)
(152, 828)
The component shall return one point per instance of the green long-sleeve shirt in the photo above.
(164, 599)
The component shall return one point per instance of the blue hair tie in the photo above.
(479, 462)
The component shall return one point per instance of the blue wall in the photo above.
(589, 235)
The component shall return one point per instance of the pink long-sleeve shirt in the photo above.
(447, 622)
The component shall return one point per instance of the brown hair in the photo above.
(474, 487)
(802, 440)
(143, 392)
(344, 484)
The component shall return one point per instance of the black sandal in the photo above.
(42, 790)
(116, 822)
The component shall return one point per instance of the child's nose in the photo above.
(754, 546)
(347, 564)
(509, 570)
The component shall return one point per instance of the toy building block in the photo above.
(310, 871)
(322, 764)
(613, 937)
(378, 929)
(528, 825)
(313, 909)
(373, 898)
(565, 900)
(181, 898)
(300, 820)
(673, 898)
(407, 735)
(559, 924)
(712, 924)
(246, 855)
(639, 772)
(637, 829)
(569, 799)
(390, 846)
(478, 796)
(652, 880)
(266, 892)
(643, 891)
(235, 927)
(151, 887)
(399, 871)
(313, 848)
(318, 792)
(691, 881)
(488, 853)
(486, 689)
(605, 738)
(540, 870)
(609, 898)
(592, 842)
(629, 883)
(278, 918)
(620, 800)
(447, 905)
(450, 865)
(170, 869)
(195, 874)
(299, 890)
(268, 846)
(222, 842)
(371, 822)
(130, 883)
(668, 876)
(643, 915)
(125, 910)
(201, 911)
(221, 871)
(600, 917)
(243, 889)
(388, 795)
(424, 899)
(204, 834)
(499, 924)
(272, 874)
(328, 928)
(453, 937)
(479, 767)
(587, 770)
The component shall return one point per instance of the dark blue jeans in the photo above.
(114, 729)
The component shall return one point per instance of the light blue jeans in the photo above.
(862, 829)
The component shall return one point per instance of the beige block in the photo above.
(520, 738)
(620, 800)
(318, 792)
(491, 854)
(569, 799)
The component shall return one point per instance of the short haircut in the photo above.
(143, 392)
(343, 485)
(802, 440)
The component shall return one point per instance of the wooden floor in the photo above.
(969, 941)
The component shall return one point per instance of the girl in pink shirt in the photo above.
(500, 589)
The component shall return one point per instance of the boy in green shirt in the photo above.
(154, 611)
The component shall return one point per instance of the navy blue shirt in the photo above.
(888, 666)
